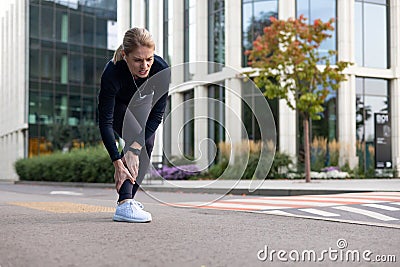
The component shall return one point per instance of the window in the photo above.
(46, 23)
(88, 30)
(216, 115)
(371, 97)
(255, 17)
(188, 128)
(189, 38)
(216, 33)
(62, 26)
(75, 35)
(168, 31)
(371, 33)
(324, 10)
(34, 21)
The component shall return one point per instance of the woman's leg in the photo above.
(144, 162)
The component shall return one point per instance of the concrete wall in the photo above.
(14, 58)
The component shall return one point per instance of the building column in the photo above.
(287, 117)
(176, 120)
(395, 84)
(233, 36)
(138, 8)
(233, 110)
(156, 24)
(201, 126)
(347, 91)
(123, 18)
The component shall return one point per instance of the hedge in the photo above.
(91, 165)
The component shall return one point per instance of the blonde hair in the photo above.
(133, 39)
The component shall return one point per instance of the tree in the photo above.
(290, 67)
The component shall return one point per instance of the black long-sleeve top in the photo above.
(116, 92)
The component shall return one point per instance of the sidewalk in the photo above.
(256, 187)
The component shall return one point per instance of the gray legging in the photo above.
(133, 122)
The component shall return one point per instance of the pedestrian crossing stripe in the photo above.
(317, 206)
(63, 207)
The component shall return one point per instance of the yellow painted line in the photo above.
(63, 207)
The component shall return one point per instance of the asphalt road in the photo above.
(58, 226)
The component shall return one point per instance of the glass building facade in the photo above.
(255, 17)
(371, 33)
(69, 44)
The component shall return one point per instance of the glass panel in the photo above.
(75, 35)
(377, 87)
(60, 108)
(358, 30)
(46, 25)
(74, 110)
(46, 108)
(62, 26)
(255, 18)
(34, 63)
(34, 111)
(88, 111)
(324, 10)
(375, 39)
(88, 30)
(188, 128)
(62, 68)
(216, 33)
(101, 33)
(303, 8)
(88, 70)
(34, 21)
(75, 70)
(46, 69)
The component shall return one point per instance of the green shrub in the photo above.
(83, 165)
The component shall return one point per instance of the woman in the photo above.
(135, 78)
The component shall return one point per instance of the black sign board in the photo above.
(383, 149)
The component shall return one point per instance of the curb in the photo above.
(233, 191)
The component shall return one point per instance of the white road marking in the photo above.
(382, 207)
(367, 213)
(246, 206)
(296, 202)
(320, 212)
(69, 193)
(277, 212)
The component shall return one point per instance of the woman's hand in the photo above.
(121, 174)
(132, 162)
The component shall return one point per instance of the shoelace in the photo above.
(140, 205)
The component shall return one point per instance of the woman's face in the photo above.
(140, 61)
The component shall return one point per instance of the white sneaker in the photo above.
(130, 211)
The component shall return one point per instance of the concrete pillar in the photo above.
(233, 110)
(138, 18)
(287, 116)
(395, 83)
(201, 35)
(201, 126)
(123, 18)
(233, 37)
(347, 91)
(156, 24)
(176, 120)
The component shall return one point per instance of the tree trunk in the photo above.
(306, 150)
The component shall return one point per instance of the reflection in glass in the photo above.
(324, 10)
(371, 34)
(216, 33)
(371, 97)
(255, 17)
(188, 128)
(46, 65)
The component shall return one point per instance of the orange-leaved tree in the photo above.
(290, 66)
